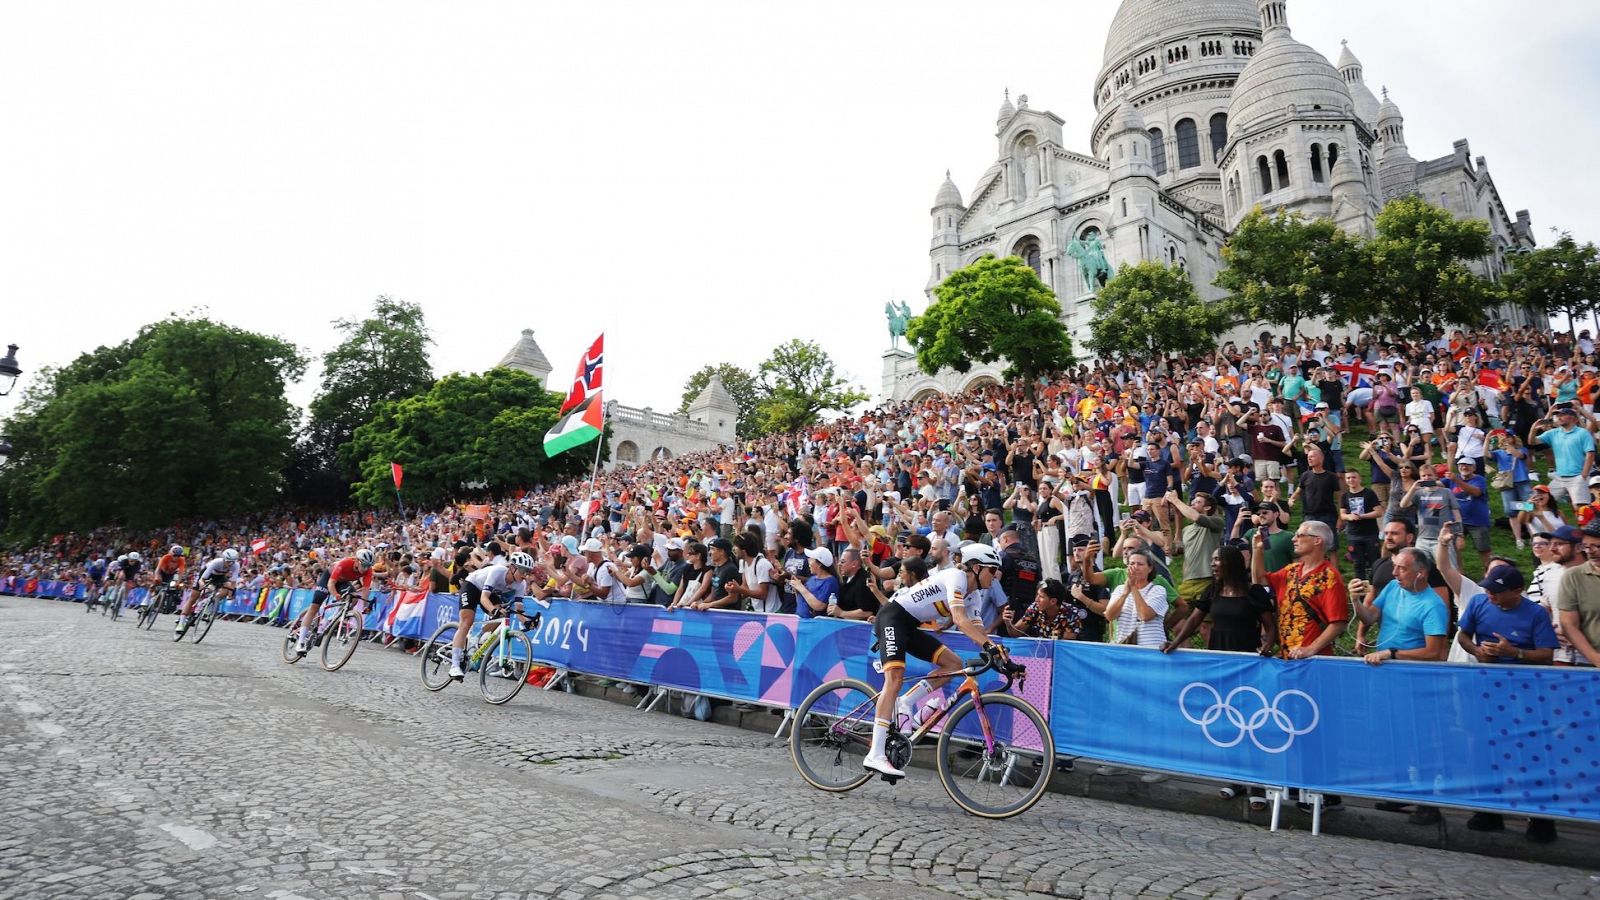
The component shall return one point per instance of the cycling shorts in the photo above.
(470, 596)
(899, 633)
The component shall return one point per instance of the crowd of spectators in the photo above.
(1164, 504)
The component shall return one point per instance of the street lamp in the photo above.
(9, 369)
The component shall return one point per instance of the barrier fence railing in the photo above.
(1502, 738)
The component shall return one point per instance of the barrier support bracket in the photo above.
(1315, 799)
(557, 680)
(784, 724)
(652, 698)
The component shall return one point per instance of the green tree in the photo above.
(798, 382)
(1420, 280)
(188, 418)
(1150, 310)
(465, 429)
(742, 387)
(991, 310)
(382, 357)
(1562, 279)
(1286, 269)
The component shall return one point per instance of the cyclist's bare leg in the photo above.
(458, 644)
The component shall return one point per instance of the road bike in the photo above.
(336, 636)
(502, 661)
(994, 754)
(156, 601)
(113, 601)
(205, 612)
(92, 596)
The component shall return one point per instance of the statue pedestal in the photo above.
(896, 362)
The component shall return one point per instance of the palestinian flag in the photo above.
(578, 427)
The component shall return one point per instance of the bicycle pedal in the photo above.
(892, 779)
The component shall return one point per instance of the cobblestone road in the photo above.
(130, 766)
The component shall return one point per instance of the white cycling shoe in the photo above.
(456, 673)
(881, 765)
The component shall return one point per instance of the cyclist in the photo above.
(487, 586)
(168, 567)
(343, 575)
(220, 573)
(127, 569)
(95, 571)
(940, 600)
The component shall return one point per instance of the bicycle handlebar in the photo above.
(1009, 670)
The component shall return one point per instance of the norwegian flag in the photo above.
(259, 545)
(587, 379)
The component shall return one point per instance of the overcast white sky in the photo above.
(702, 180)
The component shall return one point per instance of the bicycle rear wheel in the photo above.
(503, 670)
(435, 656)
(339, 644)
(148, 613)
(114, 608)
(1008, 779)
(831, 734)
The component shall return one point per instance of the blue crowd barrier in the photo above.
(1512, 739)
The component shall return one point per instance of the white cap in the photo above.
(674, 544)
(822, 555)
(593, 545)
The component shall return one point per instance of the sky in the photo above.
(700, 180)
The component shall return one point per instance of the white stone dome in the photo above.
(1126, 119)
(1285, 71)
(1139, 22)
(949, 195)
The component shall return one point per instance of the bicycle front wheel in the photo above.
(342, 638)
(831, 733)
(996, 763)
(149, 613)
(503, 670)
(435, 656)
(114, 608)
(204, 618)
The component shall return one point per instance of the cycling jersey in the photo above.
(130, 568)
(347, 570)
(96, 573)
(930, 601)
(220, 570)
(170, 565)
(496, 579)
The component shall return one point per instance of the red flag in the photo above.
(1490, 378)
(587, 379)
(259, 546)
(398, 473)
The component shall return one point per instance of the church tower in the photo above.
(718, 410)
(1397, 170)
(1126, 148)
(946, 248)
(525, 356)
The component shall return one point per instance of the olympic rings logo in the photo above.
(1251, 716)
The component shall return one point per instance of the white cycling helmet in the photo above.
(520, 560)
(134, 556)
(176, 550)
(230, 554)
(122, 558)
(982, 554)
(364, 558)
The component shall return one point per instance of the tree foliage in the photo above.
(1285, 269)
(798, 382)
(464, 430)
(1562, 279)
(741, 385)
(1150, 310)
(1420, 280)
(188, 418)
(382, 357)
(991, 310)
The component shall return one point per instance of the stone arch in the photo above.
(1030, 249)
(627, 452)
(661, 453)
(981, 380)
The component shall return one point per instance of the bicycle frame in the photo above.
(969, 686)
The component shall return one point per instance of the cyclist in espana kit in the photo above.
(937, 600)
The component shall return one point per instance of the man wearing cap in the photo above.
(665, 580)
(1578, 602)
(1434, 504)
(1019, 571)
(1573, 448)
(724, 572)
(1267, 517)
(1502, 627)
(1471, 491)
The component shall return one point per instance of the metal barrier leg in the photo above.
(1277, 795)
(653, 699)
(786, 723)
(1315, 799)
(556, 680)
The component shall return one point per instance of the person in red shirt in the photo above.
(349, 572)
(1313, 602)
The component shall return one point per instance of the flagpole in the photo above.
(594, 474)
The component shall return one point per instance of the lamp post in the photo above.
(9, 369)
